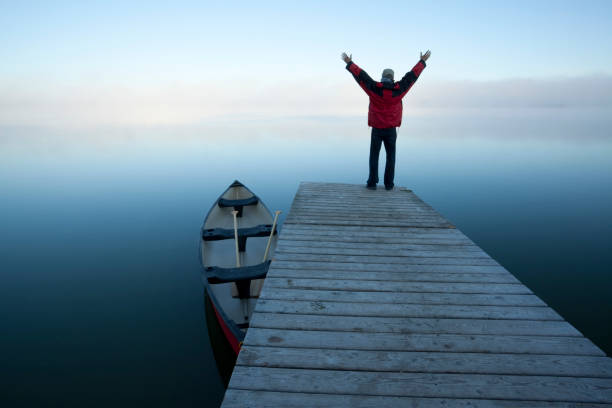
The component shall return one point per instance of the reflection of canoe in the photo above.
(231, 290)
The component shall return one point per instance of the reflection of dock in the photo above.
(374, 299)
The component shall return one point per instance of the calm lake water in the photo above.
(101, 301)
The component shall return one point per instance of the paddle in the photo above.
(235, 213)
(243, 301)
(276, 213)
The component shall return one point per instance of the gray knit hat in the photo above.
(387, 73)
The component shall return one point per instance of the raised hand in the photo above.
(425, 56)
(346, 58)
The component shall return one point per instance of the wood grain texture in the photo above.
(252, 399)
(375, 252)
(367, 259)
(427, 362)
(416, 298)
(319, 242)
(388, 309)
(495, 343)
(375, 299)
(374, 267)
(396, 276)
(378, 230)
(375, 324)
(526, 387)
(395, 286)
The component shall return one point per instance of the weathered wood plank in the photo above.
(388, 214)
(394, 276)
(373, 201)
(544, 388)
(288, 236)
(422, 342)
(400, 298)
(384, 259)
(379, 232)
(407, 310)
(356, 229)
(299, 238)
(382, 216)
(376, 267)
(378, 286)
(318, 242)
(427, 362)
(360, 207)
(359, 204)
(397, 230)
(353, 208)
(333, 221)
(358, 201)
(257, 399)
(380, 196)
(367, 221)
(394, 238)
(283, 249)
(411, 325)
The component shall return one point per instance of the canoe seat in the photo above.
(217, 234)
(238, 204)
(216, 274)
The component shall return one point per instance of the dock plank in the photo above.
(407, 267)
(427, 362)
(464, 385)
(417, 298)
(456, 277)
(397, 286)
(495, 343)
(320, 242)
(411, 325)
(366, 259)
(406, 310)
(413, 253)
(251, 399)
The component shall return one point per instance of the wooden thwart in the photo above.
(374, 299)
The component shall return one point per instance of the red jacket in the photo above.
(385, 99)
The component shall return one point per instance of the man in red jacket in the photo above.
(385, 113)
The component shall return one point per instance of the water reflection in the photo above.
(101, 284)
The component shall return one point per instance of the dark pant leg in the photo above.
(389, 140)
(375, 143)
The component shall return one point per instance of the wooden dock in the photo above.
(375, 300)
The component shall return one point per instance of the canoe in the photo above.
(231, 290)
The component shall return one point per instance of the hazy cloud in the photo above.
(196, 103)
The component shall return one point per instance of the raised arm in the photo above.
(362, 77)
(410, 78)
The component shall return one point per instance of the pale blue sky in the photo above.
(45, 46)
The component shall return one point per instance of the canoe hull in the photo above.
(225, 356)
(228, 310)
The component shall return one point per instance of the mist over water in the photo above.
(101, 300)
